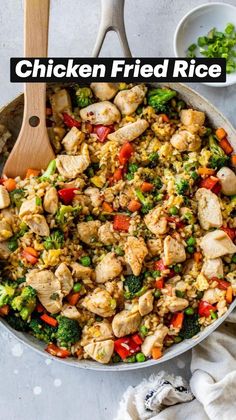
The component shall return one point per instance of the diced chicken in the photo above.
(60, 102)
(176, 304)
(154, 246)
(99, 331)
(128, 100)
(213, 268)
(129, 132)
(65, 277)
(209, 212)
(135, 252)
(104, 91)
(125, 323)
(4, 250)
(184, 141)
(155, 222)
(50, 201)
(94, 195)
(80, 272)
(191, 117)
(154, 340)
(37, 224)
(174, 251)
(216, 244)
(227, 181)
(72, 166)
(48, 289)
(105, 113)
(5, 230)
(106, 234)
(100, 302)
(30, 206)
(9, 215)
(213, 296)
(109, 268)
(145, 303)
(4, 197)
(88, 231)
(72, 140)
(70, 311)
(101, 351)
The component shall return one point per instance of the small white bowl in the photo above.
(198, 22)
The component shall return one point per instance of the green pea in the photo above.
(98, 318)
(116, 358)
(89, 218)
(12, 245)
(157, 293)
(156, 273)
(179, 293)
(178, 268)
(131, 359)
(143, 330)
(233, 260)
(194, 175)
(190, 249)
(140, 357)
(85, 261)
(200, 294)
(213, 315)
(159, 197)
(119, 251)
(147, 274)
(173, 210)
(189, 311)
(191, 241)
(77, 287)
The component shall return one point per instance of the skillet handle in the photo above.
(112, 19)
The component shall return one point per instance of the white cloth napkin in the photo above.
(213, 384)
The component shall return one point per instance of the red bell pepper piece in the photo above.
(121, 222)
(70, 121)
(57, 351)
(118, 175)
(66, 195)
(125, 153)
(159, 265)
(125, 347)
(222, 284)
(159, 284)
(137, 339)
(230, 232)
(209, 183)
(205, 308)
(102, 131)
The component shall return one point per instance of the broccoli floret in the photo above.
(181, 186)
(25, 302)
(16, 322)
(218, 158)
(54, 241)
(7, 291)
(69, 331)
(147, 202)
(51, 169)
(65, 211)
(190, 326)
(42, 331)
(17, 196)
(84, 97)
(12, 244)
(134, 284)
(159, 98)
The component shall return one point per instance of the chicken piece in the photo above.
(209, 212)
(80, 272)
(37, 224)
(101, 351)
(213, 268)
(109, 268)
(4, 250)
(216, 244)
(30, 206)
(50, 201)
(175, 304)
(88, 231)
(72, 140)
(192, 117)
(145, 303)
(154, 246)
(184, 141)
(129, 132)
(94, 195)
(174, 251)
(125, 323)
(100, 302)
(72, 166)
(4, 197)
(155, 222)
(5, 230)
(227, 181)
(128, 100)
(106, 234)
(65, 277)
(99, 331)
(154, 340)
(135, 252)
(9, 215)
(60, 102)
(213, 296)
(104, 113)
(70, 311)
(48, 289)
(104, 91)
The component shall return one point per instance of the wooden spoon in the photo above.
(32, 148)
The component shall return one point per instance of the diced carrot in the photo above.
(156, 353)
(221, 133)
(107, 207)
(226, 146)
(40, 308)
(57, 351)
(49, 320)
(159, 284)
(197, 256)
(177, 320)
(121, 222)
(134, 205)
(10, 184)
(118, 175)
(73, 298)
(229, 294)
(4, 310)
(146, 187)
(32, 172)
(30, 254)
(233, 160)
(79, 352)
(164, 118)
(206, 171)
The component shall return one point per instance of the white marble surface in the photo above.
(31, 387)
